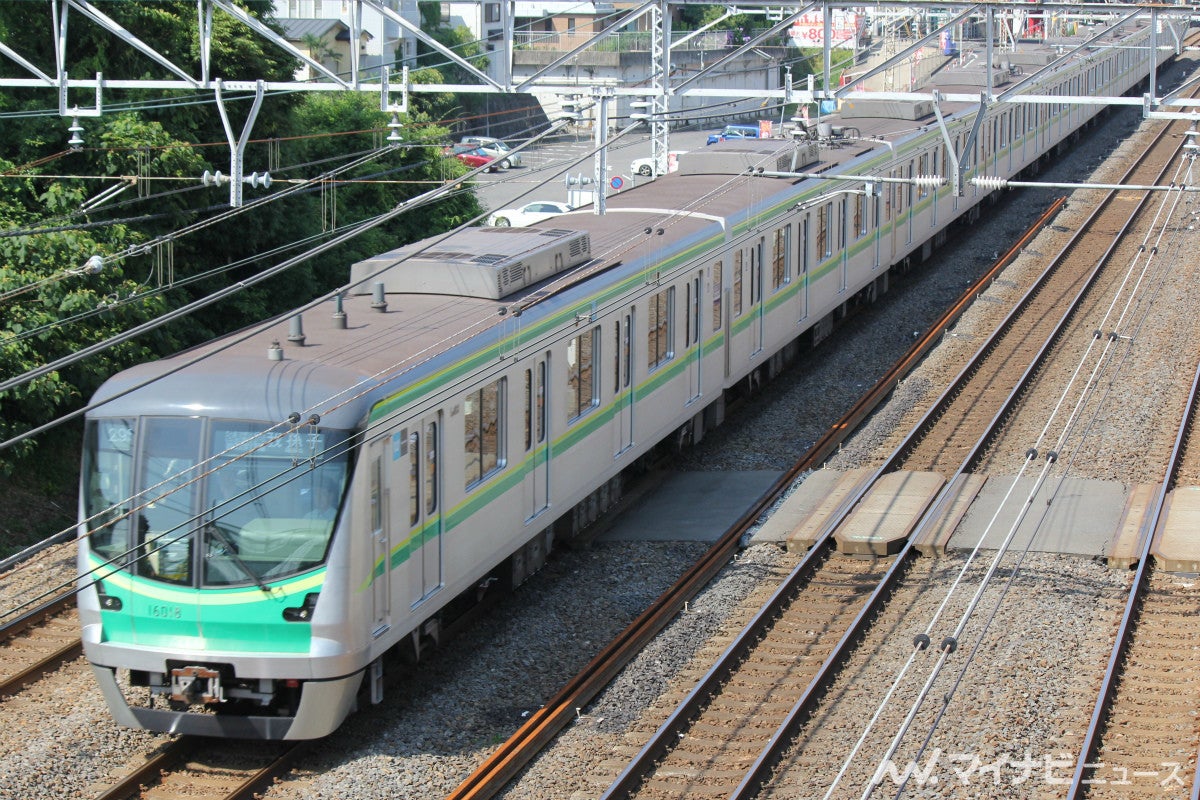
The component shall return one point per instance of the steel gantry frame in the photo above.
(394, 87)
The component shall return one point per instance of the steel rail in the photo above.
(178, 751)
(68, 652)
(33, 616)
(150, 772)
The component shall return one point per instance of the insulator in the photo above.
(929, 181)
(990, 182)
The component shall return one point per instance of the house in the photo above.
(390, 43)
(326, 41)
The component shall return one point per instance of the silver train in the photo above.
(261, 527)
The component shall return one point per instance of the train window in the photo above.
(626, 351)
(922, 169)
(431, 467)
(539, 416)
(165, 525)
(616, 356)
(841, 224)
(737, 283)
(780, 248)
(581, 373)
(535, 405)
(528, 409)
(804, 246)
(689, 301)
(755, 273)
(825, 221)
(659, 327)
(412, 448)
(270, 502)
(821, 223)
(483, 431)
(718, 284)
(694, 308)
(108, 484)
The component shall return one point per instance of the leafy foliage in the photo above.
(32, 332)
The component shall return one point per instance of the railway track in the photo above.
(1143, 737)
(200, 768)
(729, 729)
(38, 642)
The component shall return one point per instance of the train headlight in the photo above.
(107, 601)
(304, 612)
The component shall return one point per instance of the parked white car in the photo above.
(497, 149)
(527, 214)
(645, 166)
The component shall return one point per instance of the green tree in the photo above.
(45, 283)
(319, 49)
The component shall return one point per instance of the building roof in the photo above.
(295, 29)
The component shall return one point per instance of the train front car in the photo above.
(212, 554)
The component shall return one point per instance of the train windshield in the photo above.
(212, 502)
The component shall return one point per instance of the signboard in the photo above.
(809, 30)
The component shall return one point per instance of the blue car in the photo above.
(734, 132)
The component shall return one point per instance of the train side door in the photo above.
(380, 539)
(424, 507)
(693, 344)
(623, 379)
(537, 444)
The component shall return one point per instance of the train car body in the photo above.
(262, 525)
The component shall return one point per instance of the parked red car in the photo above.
(475, 157)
